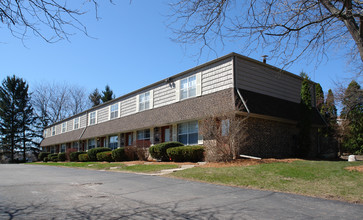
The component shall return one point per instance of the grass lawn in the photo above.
(140, 168)
(324, 179)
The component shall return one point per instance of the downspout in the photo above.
(84, 130)
(238, 92)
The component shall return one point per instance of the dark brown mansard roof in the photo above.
(270, 106)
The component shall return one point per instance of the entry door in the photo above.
(128, 139)
(165, 134)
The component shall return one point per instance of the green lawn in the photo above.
(140, 168)
(324, 179)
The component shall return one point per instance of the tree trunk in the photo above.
(24, 147)
(12, 148)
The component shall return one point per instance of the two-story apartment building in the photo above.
(173, 109)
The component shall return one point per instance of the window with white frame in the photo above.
(45, 133)
(63, 148)
(143, 135)
(113, 142)
(114, 111)
(92, 118)
(75, 123)
(53, 131)
(188, 87)
(64, 127)
(188, 133)
(144, 101)
(91, 143)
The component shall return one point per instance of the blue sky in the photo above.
(130, 48)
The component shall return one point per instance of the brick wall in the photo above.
(269, 139)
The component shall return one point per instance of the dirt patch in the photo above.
(356, 168)
(247, 162)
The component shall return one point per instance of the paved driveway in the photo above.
(44, 192)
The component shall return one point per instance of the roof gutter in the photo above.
(238, 92)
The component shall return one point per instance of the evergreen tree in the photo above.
(352, 114)
(305, 117)
(95, 98)
(15, 114)
(330, 108)
(107, 94)
(26, 120)
(329, 112)
(319, 94)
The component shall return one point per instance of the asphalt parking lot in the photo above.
(45, 192)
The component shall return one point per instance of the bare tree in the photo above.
(55, 102)
(78, 100)
(289, 29)
(52, 20)
(223, 135)
(59, 106)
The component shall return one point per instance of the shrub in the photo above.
(62, 157)
(119, 154)
(130, 152)
(83, 157)
(53, 157)
(105, 156)
(73, 156)
(45, 159)
(142, 153)
(43, 155)
(69, 151)
(159, 151)
(186, 153)
(92, 153)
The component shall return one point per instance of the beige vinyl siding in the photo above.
(258, 78)
(70, 125)
(164, 95)
(102, 114)
(128, 106)
(217, 77)
(83, 121)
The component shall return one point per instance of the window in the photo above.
(76, 145)
(53, 131)
(188, 133)
(144, 101)
(188, 87)
(113, 142)
(225, 127)
(45, 133)
(91, 143)
(114, 111)
(64, 127)
(63, 148)
(76, 123)
(92, 118)
(143, 135)
(52, 150)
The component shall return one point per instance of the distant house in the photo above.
(173, 109)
